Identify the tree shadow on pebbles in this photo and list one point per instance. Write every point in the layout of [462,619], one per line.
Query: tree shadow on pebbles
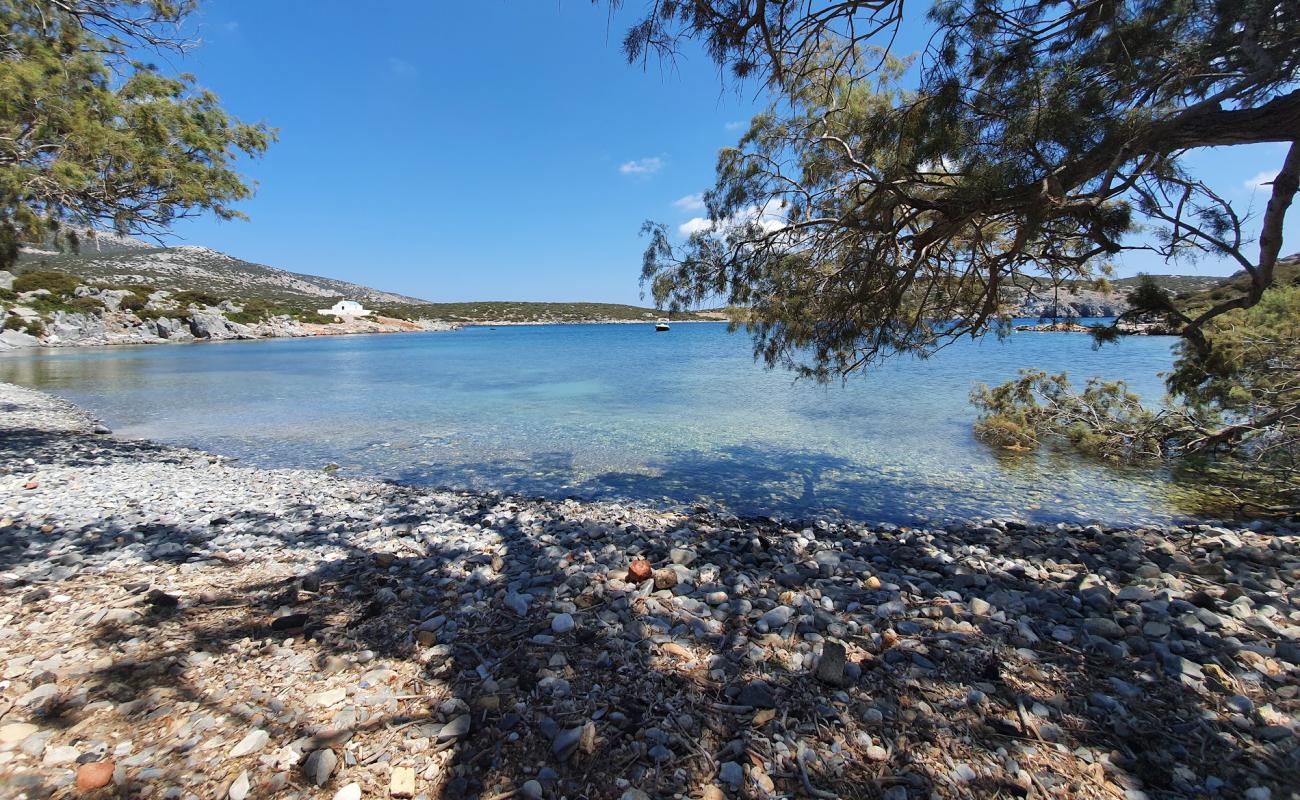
[496,646]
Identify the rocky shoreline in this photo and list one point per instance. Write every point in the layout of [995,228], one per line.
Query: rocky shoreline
[1125,328]
[176,626]
[108,316]
[111,329]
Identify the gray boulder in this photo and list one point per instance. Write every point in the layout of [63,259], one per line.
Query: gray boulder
[1100,308]
[112,298]
[207,325]
[168,328]
[211,325]
[238,331]
[65,328]
[160,300]
[6,279]
[10,340]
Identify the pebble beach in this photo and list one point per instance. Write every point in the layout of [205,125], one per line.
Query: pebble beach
[176,625]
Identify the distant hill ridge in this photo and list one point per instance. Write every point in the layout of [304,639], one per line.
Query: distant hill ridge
[110,258]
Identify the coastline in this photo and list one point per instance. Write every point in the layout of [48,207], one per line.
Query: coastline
[646,322]
[220,630]
[81,330]
[9,343]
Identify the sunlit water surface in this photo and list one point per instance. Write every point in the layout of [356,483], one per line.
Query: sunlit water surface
[619,411]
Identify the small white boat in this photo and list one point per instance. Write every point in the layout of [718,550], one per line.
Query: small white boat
[661,325]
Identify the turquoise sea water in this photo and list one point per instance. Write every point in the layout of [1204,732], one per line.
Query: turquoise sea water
[619,411]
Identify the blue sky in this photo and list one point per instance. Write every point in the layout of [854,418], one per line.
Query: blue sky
[500,149]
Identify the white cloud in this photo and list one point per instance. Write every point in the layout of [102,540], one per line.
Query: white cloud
[735,126]
[1261,180]
[769,217]
[230,27]
[691,202]
[402,68]
[642,166]
[944,165]
[694,225]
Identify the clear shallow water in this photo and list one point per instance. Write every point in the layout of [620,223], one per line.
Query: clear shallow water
[618,411]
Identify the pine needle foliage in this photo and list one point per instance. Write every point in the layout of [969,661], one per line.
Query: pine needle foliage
[1234,412]
[859,219]
[90,136]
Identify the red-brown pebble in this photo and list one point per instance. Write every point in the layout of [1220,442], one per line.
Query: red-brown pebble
[639,570]
[95,775]
[31,485]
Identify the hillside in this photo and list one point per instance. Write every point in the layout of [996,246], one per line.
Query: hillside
[109,259]
[1178,284]
[1287,273]
[517,312]
[113,260]
[121,260]
[1085,299]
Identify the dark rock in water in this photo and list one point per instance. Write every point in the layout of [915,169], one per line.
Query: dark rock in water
[289,622]
[757,694]
[831,667]
[102,429]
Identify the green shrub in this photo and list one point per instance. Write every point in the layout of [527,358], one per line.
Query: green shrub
[84,305]
[258,310]
[132,302]
[194,297]
[254,311]
[48,304]
[58,283]
[245,317]
[30,326]
[8,295]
